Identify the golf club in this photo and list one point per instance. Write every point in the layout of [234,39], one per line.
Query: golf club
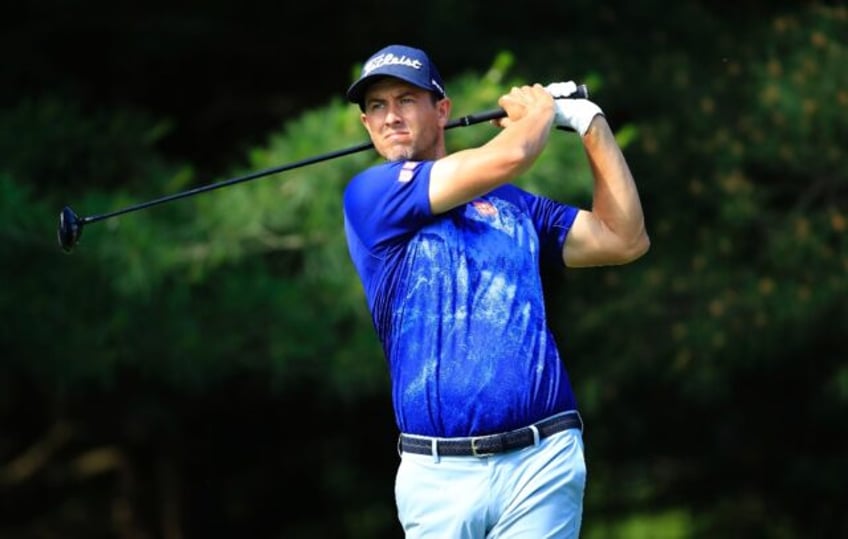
[70,224]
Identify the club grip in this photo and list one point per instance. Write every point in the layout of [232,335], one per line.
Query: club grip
[582,92]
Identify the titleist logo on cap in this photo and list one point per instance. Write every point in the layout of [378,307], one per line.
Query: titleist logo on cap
[390,59]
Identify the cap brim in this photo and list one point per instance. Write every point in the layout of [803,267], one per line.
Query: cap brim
[356,92]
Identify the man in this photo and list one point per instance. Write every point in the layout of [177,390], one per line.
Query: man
[448,252]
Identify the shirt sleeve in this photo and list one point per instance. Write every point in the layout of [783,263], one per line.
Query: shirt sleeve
[553,221]
[386,203]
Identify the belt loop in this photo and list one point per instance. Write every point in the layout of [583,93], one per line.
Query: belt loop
[582,425]
[400,445]
[434,449]
[535,430]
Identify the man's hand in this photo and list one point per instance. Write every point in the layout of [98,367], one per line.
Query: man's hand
[574,114]
[522,101]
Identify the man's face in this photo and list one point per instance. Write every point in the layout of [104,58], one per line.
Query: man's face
[403,122]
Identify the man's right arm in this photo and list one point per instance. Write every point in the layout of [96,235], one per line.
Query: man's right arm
[465,175]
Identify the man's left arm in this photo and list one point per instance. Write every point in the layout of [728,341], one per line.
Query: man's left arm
[613,231]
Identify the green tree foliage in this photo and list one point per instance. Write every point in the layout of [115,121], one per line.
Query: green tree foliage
[724,341]
[170,373]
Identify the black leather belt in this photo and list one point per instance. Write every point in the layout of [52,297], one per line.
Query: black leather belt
[490,444]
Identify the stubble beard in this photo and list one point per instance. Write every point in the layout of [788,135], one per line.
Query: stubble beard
[415,151]
[403,153]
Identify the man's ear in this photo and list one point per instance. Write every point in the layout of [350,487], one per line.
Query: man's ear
[443,107]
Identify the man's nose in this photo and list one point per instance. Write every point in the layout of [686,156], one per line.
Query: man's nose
[392,114]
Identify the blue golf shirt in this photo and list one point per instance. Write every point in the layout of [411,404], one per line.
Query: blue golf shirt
[457,300]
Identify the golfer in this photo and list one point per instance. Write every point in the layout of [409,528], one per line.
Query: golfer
[448,250]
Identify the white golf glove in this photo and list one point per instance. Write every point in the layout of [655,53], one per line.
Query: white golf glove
[572,113]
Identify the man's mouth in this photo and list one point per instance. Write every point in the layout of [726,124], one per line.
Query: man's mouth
[397,136]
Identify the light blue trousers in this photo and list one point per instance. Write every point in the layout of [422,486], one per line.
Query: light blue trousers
[531,493]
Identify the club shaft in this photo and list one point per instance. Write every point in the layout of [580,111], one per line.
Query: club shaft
[231,181]
[464,121]
[470,119]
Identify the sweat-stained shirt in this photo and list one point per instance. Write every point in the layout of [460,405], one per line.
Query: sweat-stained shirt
[457,302]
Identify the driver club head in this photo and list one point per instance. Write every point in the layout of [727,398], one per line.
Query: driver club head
[69,230]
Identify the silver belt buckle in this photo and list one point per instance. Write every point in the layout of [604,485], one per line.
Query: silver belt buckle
[475,452]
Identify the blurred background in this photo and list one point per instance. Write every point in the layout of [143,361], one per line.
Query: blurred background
[208,368]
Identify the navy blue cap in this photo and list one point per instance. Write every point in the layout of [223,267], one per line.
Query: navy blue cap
[402,62]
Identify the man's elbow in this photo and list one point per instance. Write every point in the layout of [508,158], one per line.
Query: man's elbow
[636,248]
[628,251]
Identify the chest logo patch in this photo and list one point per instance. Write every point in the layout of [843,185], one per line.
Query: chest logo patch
[484,208]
